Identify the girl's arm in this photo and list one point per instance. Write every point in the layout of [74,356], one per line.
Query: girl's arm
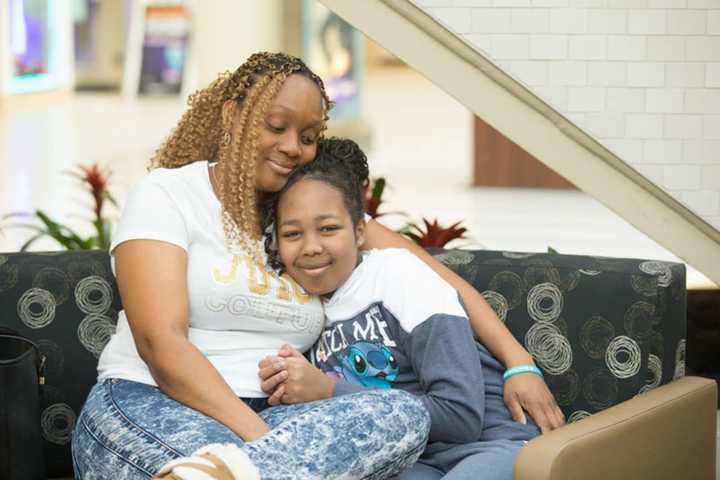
[522,392]
[151,277]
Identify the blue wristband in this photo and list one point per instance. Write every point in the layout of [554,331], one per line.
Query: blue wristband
[522,369]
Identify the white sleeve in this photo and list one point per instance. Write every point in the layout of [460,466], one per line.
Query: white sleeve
[150,213]
[413,292]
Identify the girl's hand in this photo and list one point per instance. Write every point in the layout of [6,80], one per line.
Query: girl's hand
[528,393]
[272,371]
[290,378]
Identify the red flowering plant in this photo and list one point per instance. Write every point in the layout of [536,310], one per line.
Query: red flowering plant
[434,235]
[96,182]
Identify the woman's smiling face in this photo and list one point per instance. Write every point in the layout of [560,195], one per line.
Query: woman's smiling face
[288,135]
[317,240]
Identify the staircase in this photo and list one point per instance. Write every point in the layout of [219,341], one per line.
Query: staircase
[431,47]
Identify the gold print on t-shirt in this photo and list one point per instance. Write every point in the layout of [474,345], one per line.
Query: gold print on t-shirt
[255,287]
[283,292]
[227,278]
[261,286]
[300,295]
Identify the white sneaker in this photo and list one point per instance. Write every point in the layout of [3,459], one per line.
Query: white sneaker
[211,462]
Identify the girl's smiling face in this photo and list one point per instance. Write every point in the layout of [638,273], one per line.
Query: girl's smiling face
[317,241]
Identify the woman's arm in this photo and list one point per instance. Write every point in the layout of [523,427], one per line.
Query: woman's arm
[151,277]
[526,391]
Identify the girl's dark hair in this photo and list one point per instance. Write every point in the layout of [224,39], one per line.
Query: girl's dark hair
[340,163]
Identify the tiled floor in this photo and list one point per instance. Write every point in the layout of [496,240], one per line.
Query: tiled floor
[421,144]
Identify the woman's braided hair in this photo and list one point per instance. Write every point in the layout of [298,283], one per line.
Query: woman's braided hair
[341,164]
[201,135]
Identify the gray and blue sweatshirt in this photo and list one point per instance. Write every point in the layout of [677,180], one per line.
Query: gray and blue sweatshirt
[395,323]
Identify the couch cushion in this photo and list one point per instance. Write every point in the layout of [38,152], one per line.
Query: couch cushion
[602,329]
[67,303]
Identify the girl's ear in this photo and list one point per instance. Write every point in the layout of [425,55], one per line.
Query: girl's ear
[228,114]
[360,233]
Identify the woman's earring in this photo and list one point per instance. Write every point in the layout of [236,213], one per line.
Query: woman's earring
[226,138]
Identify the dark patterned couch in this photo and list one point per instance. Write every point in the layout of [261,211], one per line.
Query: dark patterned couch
[604,330]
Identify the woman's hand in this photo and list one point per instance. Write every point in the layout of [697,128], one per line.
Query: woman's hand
[290,378]
[528,392]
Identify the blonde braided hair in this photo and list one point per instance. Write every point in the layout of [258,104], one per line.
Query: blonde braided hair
[200,135]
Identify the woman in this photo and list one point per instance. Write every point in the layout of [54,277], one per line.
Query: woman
[180,372]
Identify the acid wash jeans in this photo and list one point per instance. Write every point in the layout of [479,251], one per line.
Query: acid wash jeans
[129,430]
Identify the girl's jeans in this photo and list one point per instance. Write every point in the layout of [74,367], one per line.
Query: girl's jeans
[128,430]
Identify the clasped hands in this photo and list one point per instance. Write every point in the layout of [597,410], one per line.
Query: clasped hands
[289,377]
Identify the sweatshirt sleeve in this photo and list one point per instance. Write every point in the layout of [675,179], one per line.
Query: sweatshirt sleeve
[446,361]
[440,346]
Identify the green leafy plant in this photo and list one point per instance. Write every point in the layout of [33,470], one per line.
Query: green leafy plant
[372,198]
[42,225]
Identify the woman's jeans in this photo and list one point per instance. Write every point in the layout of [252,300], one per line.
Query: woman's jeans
[129,430]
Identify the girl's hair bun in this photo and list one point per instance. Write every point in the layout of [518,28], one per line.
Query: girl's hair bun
[343,152]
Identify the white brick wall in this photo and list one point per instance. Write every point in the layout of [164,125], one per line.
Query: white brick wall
[647,21]
[625,100]
[659,100]
[642,76]
[682,74]
[711,127]
[646,74]
[510,46]
[683,126]
[641,125]
[627,47]
[607,74]
[568,20]
[548,47]
[529,20]
[712,75]
[586,99]
[568,73]
[588,47]
[686,22]
[662,151]
[666,48]
[488,20]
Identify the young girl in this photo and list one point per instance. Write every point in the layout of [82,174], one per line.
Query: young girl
[391,322]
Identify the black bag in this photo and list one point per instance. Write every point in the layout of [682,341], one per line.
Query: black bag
[21,442]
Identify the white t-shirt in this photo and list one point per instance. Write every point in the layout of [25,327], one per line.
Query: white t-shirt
[239,311]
